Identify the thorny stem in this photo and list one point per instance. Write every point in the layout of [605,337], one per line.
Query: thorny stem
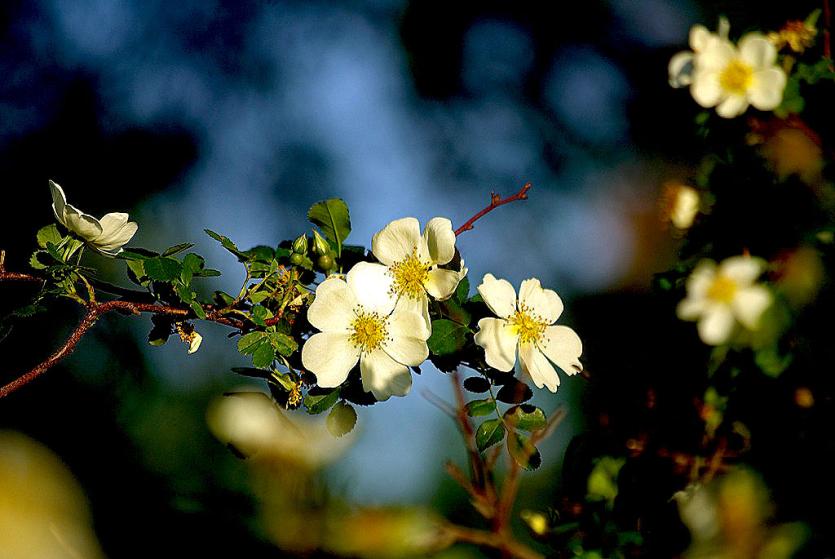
[94,311]
[495,201]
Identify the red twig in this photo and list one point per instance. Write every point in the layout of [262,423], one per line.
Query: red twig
[94,311]
[495,202]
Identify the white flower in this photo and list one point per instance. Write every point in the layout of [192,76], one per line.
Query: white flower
[413,261]
[524,327]
[682,64]
[107,235]
[720,297]
[359,322]
[731,78]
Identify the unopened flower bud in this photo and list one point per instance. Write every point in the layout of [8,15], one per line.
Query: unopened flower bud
[300,244]
[320,245]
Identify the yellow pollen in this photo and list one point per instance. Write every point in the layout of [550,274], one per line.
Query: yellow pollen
[528,325]
[409,275]
[722,289]
[368,330]
[736,78]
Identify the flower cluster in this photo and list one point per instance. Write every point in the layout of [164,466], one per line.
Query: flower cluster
[378,315]
[727,76]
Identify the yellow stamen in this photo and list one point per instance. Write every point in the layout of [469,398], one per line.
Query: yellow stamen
[368,330]
[723,289]
[409,275]
[528,325]
[736,78]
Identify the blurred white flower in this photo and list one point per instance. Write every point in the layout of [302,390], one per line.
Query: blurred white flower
[682,64]
[724,296]
[524,327]
[107,235]
[359,322]
[730,78]
[413,262]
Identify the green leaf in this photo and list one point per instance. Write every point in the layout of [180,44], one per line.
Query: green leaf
[318,401]
[514,392]
[171,251]
[222,299]
[227,243]
[49,234]
[523,452]
[263,355]
[447,337]
[250,342]
[489,433]
[283,344]
[192,264]
[198,309]
[479,385]
[259,314]
[476,408]
[526,417]
[136,254]
[162,268]
[36,262]
[453,310]
[136,272]
[462,291]
[260,253]
[342,419]
[333,219]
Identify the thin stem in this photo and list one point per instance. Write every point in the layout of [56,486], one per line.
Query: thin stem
[495,202]
[501,542]
[94,311]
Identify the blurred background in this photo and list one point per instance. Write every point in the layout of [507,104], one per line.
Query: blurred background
[237,116]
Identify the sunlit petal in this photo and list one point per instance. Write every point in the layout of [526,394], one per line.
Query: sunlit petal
[543,302]
[383,376]
[499,341]
[397,240]
[563,347]
[330,356]
[498,295]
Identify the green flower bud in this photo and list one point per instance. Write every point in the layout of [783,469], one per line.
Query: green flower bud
[325,262]
[300,244]
[320,245]
[296,259]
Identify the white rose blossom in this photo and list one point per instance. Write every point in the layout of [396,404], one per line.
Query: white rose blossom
[107,235]
[412,261]
[359,322]
[720,297]
[525,329]
[730,78]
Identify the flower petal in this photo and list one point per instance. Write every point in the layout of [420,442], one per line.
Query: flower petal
[59,201]
[115,242]
[397,240]
[757,51]
[563,347]
[715,55]
[333,308]
[83,225]
[499,295]
[111,223]
[716,324]
[680,69]
[417,306]
[440,240]
[408,322]
[705,89]
[699,37]
[766,92]
[691,308]
[750,304]
[330,356]
[538,368]
[701,279]
[441,283]
[383,376]
[371,285]
[732,106]
[499,341]
[544,302]
[742,269]
[408,339]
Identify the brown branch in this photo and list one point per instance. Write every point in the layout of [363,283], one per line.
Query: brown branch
[495,202]
[477,470]
[501,542]
[94,311]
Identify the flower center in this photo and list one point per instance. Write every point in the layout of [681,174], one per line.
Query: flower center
[528,325]
[736,77]
[409,276]
[722,289]
[368,330]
